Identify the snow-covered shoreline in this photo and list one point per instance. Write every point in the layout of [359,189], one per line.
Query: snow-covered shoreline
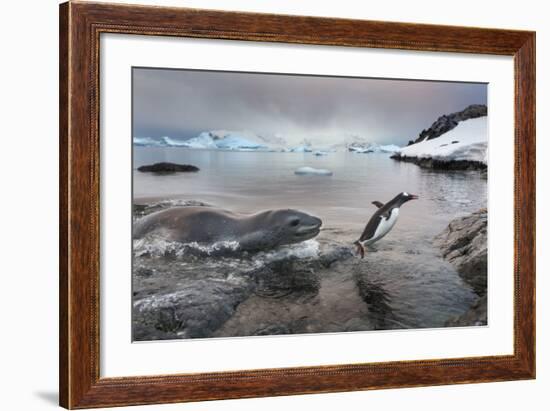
[463,147]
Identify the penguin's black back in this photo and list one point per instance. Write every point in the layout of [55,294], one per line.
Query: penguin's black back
[383,212]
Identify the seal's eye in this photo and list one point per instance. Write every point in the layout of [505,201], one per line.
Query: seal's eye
[294,222]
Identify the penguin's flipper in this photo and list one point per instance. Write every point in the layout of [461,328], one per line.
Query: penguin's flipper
[360,249]
[378,204]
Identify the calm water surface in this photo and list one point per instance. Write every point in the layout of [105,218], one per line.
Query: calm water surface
[253,181]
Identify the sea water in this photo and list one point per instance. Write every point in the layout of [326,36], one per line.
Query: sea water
[417,287]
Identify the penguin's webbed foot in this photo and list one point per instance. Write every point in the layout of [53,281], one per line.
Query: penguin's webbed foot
[360,249]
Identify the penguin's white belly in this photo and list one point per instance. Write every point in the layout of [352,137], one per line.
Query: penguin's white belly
[384,227]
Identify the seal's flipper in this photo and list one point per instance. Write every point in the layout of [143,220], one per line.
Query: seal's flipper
[378,204]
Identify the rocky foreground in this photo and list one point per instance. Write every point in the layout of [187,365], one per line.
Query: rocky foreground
[175,300]
[464,244]
[313,287]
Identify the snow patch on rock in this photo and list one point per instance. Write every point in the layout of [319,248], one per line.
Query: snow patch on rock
[466,142]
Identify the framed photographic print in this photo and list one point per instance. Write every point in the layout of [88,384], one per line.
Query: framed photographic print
[257,205]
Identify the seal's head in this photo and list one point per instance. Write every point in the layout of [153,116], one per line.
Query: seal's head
[291,226]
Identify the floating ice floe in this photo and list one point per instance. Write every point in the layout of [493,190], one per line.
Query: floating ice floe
[466,142]
[320,153]
[312,171]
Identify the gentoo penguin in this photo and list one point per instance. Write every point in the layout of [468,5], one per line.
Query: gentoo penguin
[382,221]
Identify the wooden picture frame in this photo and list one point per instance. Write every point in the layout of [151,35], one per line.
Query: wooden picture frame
[80,27]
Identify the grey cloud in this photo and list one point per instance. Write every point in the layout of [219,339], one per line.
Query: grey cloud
[181,103]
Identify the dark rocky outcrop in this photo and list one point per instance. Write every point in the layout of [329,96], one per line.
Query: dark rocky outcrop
[464,244]
[174,300]
[449,121]
[461,165]
[165,167]
[194,311]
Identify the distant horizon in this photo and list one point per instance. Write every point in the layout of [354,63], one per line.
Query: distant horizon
[180,104]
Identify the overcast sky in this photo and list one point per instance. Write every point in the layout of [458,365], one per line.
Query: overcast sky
[182,103]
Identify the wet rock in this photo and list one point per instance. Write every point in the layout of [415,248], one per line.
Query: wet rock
[464,244]
[273,329]
[476,315]
[144,272]
[195,311]
[165,167]
[173,299]
[284,278]
[378,301]
[333,252]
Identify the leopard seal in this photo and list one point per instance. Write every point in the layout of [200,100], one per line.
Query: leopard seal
[261,231]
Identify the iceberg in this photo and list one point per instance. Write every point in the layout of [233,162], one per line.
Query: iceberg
[312,171]
[217,140]
[226,140]
[148,142]
[203,141]
[170,142]
[233,142]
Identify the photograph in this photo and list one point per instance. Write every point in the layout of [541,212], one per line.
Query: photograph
[278,203]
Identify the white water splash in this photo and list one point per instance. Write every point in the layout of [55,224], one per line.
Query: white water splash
[304,250]
[159,247]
